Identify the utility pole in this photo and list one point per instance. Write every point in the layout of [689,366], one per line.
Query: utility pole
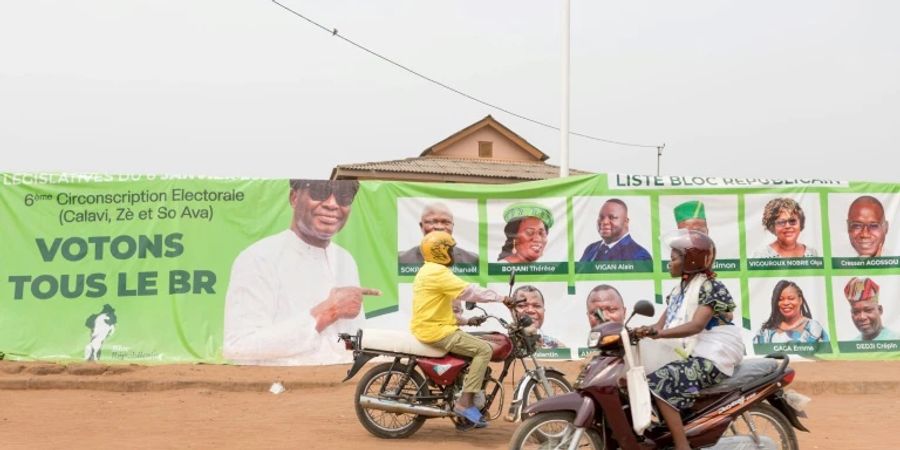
[564,120]
[659,150]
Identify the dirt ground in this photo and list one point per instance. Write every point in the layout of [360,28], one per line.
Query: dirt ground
[183,407]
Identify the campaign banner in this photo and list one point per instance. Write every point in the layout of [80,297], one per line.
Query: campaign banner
[165,269]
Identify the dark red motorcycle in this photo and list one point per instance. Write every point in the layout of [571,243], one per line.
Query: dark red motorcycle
[750,410]
[393,399]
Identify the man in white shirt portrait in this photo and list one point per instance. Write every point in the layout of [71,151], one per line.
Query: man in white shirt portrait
[291,293]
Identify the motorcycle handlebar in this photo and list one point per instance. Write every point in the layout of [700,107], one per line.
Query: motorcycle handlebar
[512,308]
[487,316]
[634,338]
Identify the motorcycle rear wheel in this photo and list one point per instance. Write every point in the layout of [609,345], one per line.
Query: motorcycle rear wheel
[770,422]
[552,430]
[383,424]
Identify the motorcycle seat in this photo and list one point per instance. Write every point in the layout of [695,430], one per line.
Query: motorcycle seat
[745,373]
[393,341]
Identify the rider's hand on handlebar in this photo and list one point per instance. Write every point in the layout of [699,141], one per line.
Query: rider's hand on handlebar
[645,331]
[476,321]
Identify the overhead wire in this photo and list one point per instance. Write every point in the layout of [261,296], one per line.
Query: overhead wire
[334,32]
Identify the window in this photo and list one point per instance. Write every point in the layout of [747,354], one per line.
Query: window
[485,149]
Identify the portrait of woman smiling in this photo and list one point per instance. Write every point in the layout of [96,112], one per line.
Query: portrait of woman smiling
[527,225]
[784,218]
[791,319]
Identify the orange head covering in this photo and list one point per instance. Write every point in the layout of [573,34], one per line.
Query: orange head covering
[859,289]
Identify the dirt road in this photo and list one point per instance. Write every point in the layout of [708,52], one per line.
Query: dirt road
[322,418]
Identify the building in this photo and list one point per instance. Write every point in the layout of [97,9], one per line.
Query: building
[484,152]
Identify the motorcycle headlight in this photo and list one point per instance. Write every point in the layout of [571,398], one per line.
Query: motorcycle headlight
[604,335]
[611,339]
[593,339]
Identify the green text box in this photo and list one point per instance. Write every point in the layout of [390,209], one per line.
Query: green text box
[459,269]
[549,268]
[869,346]
[614,266]
[785,263]
[879,262]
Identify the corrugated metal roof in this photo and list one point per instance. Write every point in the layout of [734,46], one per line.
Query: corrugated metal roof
[465,167]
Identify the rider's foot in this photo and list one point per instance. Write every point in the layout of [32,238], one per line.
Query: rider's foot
[466,425]
[472,414]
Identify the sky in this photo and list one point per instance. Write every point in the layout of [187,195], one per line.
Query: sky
[799,89]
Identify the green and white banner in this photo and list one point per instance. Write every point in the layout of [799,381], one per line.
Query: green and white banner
[139,268]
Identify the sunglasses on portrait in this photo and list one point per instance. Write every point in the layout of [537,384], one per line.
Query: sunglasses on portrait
[856,227]
[783,222]
[321,190]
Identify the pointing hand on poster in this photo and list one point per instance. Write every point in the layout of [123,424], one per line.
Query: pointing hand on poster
[342,303]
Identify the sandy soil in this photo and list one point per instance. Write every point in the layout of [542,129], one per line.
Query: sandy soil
[315,414]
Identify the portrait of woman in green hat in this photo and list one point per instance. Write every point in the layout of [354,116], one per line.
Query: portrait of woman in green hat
[527,225]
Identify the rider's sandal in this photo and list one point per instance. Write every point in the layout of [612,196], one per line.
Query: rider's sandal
[472,415]
[464,425]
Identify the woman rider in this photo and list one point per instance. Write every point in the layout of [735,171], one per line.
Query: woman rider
[705,344]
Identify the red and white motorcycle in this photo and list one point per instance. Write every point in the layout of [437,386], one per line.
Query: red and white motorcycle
[393,399]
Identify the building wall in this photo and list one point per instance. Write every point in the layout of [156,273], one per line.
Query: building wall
[503,148]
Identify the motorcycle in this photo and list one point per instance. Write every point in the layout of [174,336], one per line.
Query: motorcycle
[393,399]
[751,409]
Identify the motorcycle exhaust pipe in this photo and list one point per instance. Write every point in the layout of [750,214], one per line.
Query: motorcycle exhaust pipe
[393,406]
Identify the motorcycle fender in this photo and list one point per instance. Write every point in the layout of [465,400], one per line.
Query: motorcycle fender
[523,383]
[358,362]
[519,395]
[581,405]
[788,412]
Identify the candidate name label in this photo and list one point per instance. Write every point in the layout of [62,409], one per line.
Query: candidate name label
[785,263]
[721,265]
[459,269]
[553,353]
[797,348]
[869,346]
[879,262]
[550,268]
[614,266]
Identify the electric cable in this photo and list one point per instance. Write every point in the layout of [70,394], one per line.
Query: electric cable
[334,32]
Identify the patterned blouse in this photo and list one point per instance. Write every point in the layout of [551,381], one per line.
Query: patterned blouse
[713,294]
[810,333]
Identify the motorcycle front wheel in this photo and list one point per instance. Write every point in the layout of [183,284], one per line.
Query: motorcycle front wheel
[768,422]
[553,430]
[535,392]
[384,382]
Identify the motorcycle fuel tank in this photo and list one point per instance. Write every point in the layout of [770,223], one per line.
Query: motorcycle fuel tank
[442,370]
[501,346]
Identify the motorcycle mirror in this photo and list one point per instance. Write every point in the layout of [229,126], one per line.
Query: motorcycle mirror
[644,308]
[512,281]
[599,313]
[470,306]
[525,321]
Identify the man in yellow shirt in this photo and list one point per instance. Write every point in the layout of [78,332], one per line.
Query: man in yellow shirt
[433,322]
